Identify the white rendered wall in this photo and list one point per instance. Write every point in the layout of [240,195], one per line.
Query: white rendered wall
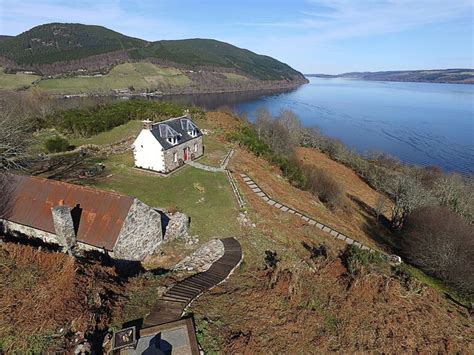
[148,152]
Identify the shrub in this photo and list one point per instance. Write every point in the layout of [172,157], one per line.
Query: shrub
[57,144]
[322,185]
[248,137]
[356,259]
[88,121]
[440,242]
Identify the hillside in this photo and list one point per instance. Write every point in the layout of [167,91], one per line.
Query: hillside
[343,301]
[5,37]
[455,76]
[60,50]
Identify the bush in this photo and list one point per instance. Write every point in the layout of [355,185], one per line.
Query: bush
[356,259]
[440,242]
[57,144]
[248,137]
[322,185]
[84,122]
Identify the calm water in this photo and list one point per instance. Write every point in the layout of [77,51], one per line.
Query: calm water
[420,123]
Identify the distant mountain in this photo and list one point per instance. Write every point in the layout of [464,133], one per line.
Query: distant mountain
[5,37]
[59,48]
[459,76]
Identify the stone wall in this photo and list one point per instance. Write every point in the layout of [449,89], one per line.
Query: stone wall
[141,233]
[19,230]
[170,164]
[16,229]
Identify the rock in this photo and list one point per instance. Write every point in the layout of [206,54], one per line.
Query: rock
[202,259]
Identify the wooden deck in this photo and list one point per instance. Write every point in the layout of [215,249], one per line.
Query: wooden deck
[171,305]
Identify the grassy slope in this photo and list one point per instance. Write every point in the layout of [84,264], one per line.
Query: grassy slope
[305,304]
[213,211]
[15,81]
[139,75]
[130,129]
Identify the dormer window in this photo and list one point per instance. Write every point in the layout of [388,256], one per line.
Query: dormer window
[169,133]
[189,127]
[172,140]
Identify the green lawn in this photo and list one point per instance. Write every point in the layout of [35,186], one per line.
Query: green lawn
[214,151]
[15,81]
[138,75]
[131,128]
[206,197]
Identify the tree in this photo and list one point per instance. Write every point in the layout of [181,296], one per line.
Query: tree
[14,132]
[441,243]
[453,192]
[379,205]
[408,194]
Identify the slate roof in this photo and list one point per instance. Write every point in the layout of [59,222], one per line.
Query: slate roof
[102,214]
[177,126]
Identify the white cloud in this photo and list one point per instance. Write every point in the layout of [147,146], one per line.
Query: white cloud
[339,19]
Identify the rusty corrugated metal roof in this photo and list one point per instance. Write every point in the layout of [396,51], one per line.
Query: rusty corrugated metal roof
[102,213]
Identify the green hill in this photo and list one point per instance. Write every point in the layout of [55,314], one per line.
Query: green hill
[60,48]
[212,53]
[57,42]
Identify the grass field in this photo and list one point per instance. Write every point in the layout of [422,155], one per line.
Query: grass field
[138,75]
[205,197]
[235,77]
[129,129]
[15,81]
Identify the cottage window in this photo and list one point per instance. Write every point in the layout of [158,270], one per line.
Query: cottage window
[175,157]
[195,147]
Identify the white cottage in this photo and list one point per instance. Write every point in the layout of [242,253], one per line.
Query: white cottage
[166,145]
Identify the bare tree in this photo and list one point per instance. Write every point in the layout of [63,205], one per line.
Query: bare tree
[408,194]
[14,135]
[379,205]
[441,243]
[323,185]
[453,192]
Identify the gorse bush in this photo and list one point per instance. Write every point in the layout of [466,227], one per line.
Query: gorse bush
[356,259]
[57,144]
[84,122]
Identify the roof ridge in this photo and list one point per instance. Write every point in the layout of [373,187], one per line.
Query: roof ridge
[170,119]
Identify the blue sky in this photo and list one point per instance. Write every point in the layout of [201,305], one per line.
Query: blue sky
[314,36]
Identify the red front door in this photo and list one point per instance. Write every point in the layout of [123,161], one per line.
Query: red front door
[185,154]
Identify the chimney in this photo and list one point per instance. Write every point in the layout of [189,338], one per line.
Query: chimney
[187,114]
[147,124]
[64,226]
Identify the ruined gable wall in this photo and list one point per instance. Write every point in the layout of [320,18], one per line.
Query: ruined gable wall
[141,233]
